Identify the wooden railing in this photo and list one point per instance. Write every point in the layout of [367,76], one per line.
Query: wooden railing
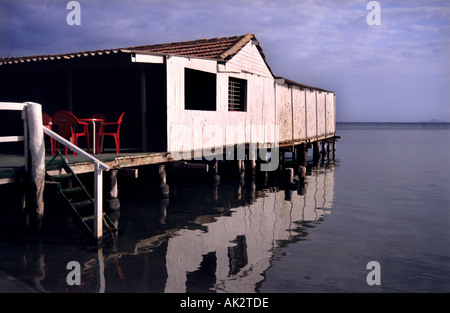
[13,106]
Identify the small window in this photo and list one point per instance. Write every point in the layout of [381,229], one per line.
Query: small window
[237,94]
[199,90]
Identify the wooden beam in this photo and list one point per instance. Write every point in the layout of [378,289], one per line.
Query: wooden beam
[143,109]
[70,91]
[129,172]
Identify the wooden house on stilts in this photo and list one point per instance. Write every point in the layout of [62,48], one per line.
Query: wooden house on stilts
[183,98]
[214,99]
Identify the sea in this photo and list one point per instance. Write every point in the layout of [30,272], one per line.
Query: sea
[374,217]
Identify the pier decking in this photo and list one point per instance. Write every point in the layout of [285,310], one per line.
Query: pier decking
[12,165]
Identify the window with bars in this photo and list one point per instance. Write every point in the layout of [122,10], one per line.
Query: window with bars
[237,94]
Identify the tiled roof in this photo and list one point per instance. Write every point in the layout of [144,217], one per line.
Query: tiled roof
[216,48]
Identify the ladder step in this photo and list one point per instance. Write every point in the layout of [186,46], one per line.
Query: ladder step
[81,204]
[90,217]
[53,187]
[62,176]
[70,191]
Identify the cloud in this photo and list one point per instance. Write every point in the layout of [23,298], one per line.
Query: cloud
[325,43]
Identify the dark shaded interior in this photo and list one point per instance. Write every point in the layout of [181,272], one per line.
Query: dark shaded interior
[107,84]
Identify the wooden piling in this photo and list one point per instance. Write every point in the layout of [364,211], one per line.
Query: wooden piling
[163,187]
[36,166]
[316,149]
[241,169]
[215,172]
[301,172]
[113,201]
[253,167]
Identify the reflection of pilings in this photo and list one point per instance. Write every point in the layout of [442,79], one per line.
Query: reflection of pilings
[215,172]
[242,255]
[100,267]
[301,172]
[241,169]
[163,211]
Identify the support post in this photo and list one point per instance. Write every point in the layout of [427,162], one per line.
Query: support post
[143,109]
[215,172]
[113,202]
[70,91]
[316,150]
[334,149]
[241,168]
[163,187]
[301,172]
[253,166]
[98,202]
[36,166]
[289,173]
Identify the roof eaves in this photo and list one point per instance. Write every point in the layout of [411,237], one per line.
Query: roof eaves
[52,57]
[291,82]
[237,47]
[166,54]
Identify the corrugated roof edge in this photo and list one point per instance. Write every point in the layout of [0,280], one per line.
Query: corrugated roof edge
[51,57]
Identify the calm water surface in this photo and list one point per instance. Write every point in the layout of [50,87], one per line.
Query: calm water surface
[384,198]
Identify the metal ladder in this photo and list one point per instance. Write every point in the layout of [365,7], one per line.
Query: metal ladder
[77,197]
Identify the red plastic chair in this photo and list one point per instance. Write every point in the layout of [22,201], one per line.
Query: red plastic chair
[69,127]
[100,116]
[47,122]
[109,129]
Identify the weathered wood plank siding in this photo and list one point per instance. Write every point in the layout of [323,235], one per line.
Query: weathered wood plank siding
[330,114]
[320,113]
[248,60]
[284,113]
[311,113]
[196,130]
[298,97]
[304,114]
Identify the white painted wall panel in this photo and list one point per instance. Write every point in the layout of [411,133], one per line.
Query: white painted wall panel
[320,113]
[284,112]
[311,121]
[298,97]
[330,114]
[249,60]
[205,130]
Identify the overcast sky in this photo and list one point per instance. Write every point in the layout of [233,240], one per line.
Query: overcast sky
[396,71]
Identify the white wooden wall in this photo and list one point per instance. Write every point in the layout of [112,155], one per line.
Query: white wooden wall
[196,130]
[304,113]
[248,60]
[298,114]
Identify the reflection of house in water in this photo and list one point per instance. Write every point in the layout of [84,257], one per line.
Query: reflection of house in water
[236,250]
[222,251]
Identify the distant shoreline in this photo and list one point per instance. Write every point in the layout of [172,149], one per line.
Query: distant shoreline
[423,122]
